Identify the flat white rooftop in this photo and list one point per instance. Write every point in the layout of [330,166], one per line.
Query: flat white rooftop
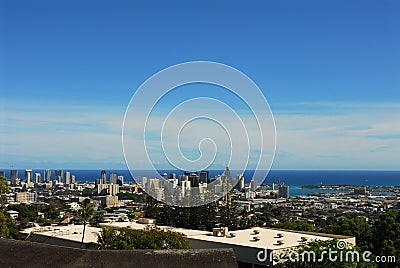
[268,237]
[70,232]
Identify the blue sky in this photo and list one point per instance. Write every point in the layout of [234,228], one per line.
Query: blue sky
[329,69]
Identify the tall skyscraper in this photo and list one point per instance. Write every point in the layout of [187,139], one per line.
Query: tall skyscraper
[103,177]
[37,177]
[14,177]
[67,177]
[59,175]
[283,191]
[47,175]
[194,179]
[72,179]
[203,176]
[120,180]
[28,175]
[240,182]
[253,185]
[227,174]
[113,178]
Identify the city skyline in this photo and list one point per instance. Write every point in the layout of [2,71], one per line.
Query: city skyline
[328,71]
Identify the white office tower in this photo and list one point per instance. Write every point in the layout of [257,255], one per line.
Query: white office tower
[154,183]
[253,185]
[67,177]
[28,175]
[73,179]
[37,177]
[218,184]
[113,178]
[202,187]
[113,189]
[240,182]
[144,183]
[186,187]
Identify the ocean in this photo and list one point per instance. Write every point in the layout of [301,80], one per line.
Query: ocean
[292,178]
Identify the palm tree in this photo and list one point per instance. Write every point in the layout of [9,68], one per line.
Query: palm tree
[85,213]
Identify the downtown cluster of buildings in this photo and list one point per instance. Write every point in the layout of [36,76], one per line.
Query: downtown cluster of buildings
[27,188]
[30,179]
[199,184]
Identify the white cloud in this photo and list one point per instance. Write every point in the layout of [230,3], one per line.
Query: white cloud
[323,136]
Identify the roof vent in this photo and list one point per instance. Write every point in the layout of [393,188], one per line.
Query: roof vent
[220,232]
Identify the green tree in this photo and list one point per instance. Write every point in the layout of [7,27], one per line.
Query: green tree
[7,226]
[301,225]
[386,235]
[4,190]
[304,256]
[228,212]
[25,212]
[352,225]
[148,238]
[85,214]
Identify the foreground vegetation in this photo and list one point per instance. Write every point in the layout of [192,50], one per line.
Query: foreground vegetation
[148,238]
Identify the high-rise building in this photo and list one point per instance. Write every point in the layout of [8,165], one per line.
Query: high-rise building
[253,185]
[67,177]
[153,183]
[240,182]
[283,191]
[194,179]
[37,177]
[120,180]
[103,177]
[227,174]
[73,179]
[14,177]
[59,175]
[144,183]
[113,189]
[47,175]
[28,175]
[203,176]
[113,178]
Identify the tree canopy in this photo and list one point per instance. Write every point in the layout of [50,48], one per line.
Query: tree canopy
[148,238]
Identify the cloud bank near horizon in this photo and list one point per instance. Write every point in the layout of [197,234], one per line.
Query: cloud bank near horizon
[319,135]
